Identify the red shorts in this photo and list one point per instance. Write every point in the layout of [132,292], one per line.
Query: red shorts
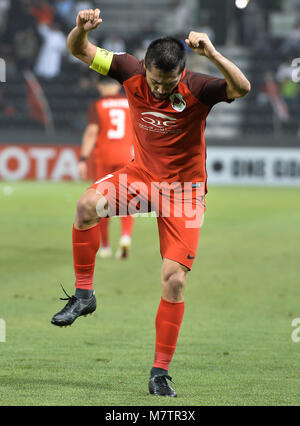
[179,208]
[101,169]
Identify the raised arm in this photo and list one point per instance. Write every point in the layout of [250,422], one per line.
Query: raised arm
[237,84]
[77,41]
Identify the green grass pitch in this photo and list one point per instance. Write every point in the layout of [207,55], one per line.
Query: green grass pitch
[235,345]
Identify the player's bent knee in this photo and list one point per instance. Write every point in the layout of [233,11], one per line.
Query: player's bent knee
[85,211]
[176,280]
[173,285]
[90,207]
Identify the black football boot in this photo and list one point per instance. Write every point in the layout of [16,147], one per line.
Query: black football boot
[159,386]
[76,307]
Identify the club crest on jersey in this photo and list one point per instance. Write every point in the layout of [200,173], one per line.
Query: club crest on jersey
[177,102]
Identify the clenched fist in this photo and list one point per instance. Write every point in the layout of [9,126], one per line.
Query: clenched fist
[201,44]
[88,19]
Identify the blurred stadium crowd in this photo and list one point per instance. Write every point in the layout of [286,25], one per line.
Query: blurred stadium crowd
[264,38]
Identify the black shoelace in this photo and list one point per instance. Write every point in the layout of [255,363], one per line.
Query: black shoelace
[163,381]
[71,299]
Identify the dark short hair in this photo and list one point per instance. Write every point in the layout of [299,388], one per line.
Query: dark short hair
[166,54]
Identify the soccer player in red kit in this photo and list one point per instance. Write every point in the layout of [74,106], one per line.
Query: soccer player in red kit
[109,138]
[168,106]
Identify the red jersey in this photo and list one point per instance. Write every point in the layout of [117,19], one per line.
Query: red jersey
[114,145]
[169,143]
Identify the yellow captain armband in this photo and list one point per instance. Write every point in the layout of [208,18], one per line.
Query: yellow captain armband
[102,61]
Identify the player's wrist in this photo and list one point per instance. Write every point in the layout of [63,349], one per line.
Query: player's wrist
[80,29]
[214,55]
[83,159]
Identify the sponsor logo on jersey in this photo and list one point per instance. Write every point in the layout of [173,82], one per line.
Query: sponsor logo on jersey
[158,122]
[158,119]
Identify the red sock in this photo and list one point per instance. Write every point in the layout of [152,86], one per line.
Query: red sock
[167,323]
[85,246]
[104,224]
[126,225]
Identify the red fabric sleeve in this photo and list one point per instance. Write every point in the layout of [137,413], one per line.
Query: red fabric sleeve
[207,89]
[124,66]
